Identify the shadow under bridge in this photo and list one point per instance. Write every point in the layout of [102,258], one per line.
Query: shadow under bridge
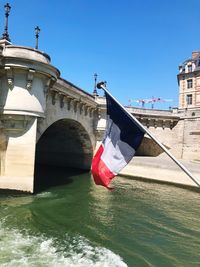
[63,149]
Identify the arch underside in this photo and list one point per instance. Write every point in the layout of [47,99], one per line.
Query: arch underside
[65,144]
[149,148]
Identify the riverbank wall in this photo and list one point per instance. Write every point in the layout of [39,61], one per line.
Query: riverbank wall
[162,170]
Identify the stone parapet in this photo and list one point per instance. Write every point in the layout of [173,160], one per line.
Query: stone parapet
[25,73]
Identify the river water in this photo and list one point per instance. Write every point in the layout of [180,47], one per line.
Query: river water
[80,224]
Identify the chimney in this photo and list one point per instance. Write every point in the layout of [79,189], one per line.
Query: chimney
[195,54]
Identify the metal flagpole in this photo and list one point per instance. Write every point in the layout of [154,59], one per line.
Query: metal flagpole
[101,85]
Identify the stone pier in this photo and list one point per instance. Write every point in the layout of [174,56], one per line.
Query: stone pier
[25,78]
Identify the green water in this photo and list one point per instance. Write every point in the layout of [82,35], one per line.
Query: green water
[80,224]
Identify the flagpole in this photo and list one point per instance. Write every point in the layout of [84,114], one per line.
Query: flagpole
[101,85]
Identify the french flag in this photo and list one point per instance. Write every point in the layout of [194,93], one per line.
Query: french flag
[121,140]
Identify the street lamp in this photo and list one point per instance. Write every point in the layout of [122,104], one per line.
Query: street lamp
[7,8]
[95,85]
[105,84]
[37,31]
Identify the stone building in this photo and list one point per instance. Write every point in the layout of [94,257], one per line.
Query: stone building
[189,82]
[189,106]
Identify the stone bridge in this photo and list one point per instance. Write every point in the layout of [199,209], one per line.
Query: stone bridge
[45,119]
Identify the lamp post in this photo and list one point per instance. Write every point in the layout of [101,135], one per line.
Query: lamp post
[37,31]
[7,8]
[95,85]
[105,84]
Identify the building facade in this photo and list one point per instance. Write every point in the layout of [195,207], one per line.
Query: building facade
[189,82]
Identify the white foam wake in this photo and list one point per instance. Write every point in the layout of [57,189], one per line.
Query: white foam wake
[21,250]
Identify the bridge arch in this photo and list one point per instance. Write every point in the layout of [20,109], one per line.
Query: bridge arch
[65,143]
[149,148]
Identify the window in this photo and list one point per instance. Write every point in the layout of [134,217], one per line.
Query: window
[189,99]
[189,83]
[189,68]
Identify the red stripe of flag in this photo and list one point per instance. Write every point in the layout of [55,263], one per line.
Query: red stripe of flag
[102,175]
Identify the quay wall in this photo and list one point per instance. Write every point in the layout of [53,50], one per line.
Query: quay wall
[178,130]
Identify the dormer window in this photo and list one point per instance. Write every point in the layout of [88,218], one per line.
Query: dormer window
[189,68]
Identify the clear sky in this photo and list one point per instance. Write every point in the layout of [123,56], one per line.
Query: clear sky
[135,45]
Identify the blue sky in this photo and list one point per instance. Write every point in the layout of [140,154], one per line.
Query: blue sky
[135,45]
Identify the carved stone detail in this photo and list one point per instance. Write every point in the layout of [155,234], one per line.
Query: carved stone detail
[86,110]
[69,101]
[49,84]
[75,102]
[90,112]
[14,123]
[163,124]
[53,97]
[148,123]
[62,98]
[10,77]
[171,124]
[30,76]
[155,123]
[81,107]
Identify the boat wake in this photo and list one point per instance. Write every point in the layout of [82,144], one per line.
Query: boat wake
[24,250]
